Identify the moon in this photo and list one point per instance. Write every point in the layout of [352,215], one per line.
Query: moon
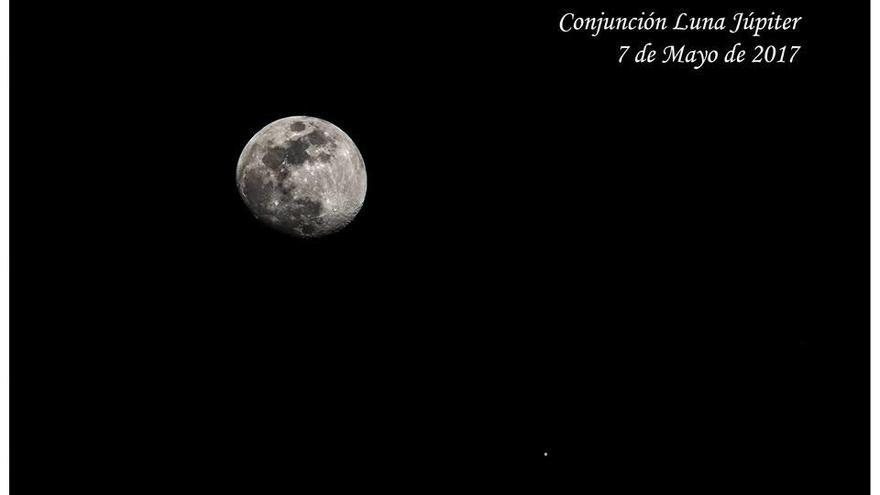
[303,176]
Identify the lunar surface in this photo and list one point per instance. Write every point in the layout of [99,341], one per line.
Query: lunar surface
[302,176]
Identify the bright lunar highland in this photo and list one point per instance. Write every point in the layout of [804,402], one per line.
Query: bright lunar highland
[302,176]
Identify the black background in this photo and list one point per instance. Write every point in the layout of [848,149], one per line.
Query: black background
[658,276]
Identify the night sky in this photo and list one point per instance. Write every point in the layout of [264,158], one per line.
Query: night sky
[568,273]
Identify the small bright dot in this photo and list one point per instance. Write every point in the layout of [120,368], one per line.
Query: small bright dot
[545,454]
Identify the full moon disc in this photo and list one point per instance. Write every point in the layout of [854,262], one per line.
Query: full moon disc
[302,176]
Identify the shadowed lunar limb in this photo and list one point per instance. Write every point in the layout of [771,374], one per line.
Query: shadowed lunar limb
[303,176]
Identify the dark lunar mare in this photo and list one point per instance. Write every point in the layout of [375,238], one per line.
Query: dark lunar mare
[255,188]
[258,191]
[293,152]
